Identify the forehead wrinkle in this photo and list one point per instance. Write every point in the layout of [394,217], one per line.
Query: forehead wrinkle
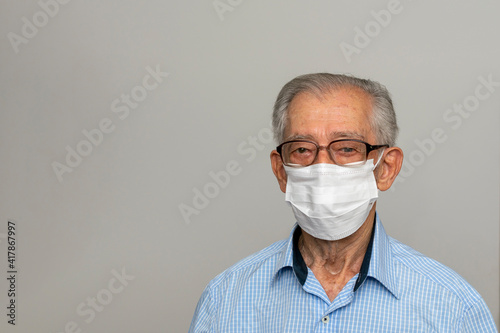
[333,136]
[350,99]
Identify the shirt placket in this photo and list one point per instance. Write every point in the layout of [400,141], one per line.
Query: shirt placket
[326,320]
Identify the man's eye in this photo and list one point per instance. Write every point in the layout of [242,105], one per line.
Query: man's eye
[347,150]
[302,150]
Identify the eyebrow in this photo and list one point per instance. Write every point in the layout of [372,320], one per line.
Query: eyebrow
[333,135]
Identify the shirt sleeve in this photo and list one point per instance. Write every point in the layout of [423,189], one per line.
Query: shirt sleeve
[202,321]
[478,319]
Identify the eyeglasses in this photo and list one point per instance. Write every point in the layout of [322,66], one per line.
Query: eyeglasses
[344,152]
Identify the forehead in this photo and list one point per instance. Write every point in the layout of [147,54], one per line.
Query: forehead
[343,112]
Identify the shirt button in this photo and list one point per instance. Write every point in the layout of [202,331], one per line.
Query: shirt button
[325,319]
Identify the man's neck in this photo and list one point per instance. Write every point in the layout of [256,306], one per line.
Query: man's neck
[334,263]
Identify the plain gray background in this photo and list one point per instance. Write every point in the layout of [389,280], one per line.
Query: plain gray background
[119,208]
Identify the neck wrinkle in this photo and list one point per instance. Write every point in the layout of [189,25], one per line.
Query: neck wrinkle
[339,256]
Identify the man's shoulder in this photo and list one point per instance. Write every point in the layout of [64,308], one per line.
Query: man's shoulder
[263,260]
[415,264]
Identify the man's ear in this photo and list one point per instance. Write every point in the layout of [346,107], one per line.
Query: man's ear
[279,170]
[389,167]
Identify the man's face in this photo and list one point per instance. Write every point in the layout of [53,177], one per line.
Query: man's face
[340,114]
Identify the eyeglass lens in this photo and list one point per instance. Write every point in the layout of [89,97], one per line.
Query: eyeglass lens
[341,152]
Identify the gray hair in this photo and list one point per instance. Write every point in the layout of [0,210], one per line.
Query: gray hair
[383,119]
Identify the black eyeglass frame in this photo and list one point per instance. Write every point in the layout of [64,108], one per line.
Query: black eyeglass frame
[369,148]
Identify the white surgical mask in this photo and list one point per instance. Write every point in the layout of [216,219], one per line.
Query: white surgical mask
[331,202]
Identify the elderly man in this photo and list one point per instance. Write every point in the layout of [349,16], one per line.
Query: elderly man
[338,271]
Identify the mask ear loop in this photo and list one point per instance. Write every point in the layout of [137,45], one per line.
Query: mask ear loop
[379,158]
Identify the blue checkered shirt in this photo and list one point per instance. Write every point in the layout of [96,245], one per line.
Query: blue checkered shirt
[400,290]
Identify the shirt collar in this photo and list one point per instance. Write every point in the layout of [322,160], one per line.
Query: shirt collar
[382,264]
[286,254]
[377,263]
[299,266]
